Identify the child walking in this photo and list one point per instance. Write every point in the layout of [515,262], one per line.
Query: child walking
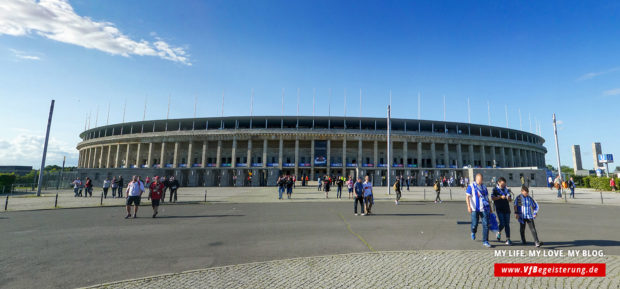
[526,210]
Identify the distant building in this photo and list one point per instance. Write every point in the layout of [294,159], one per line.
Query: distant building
[577,158]
[596,150]
[18,170]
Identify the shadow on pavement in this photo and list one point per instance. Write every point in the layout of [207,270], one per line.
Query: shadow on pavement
[407,214]
[197,216]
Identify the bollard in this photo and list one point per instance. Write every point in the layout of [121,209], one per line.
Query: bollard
[425,194]
[101,203]
[56,202]
[6,203]
[205,196]
[600,192]
[532,193]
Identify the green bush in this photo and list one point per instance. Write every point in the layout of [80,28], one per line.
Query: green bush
[7,180]
[597,183]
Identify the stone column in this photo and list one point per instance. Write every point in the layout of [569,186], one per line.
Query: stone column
[189,159]
[87,158]
[107,162]
[95,158]
[493,157]
[280,151]
[100,157]
[446,155]
[502,151]
[138,155]
[297,157]
[344,156]
[118,152]
[405,153]
[162,161]
[433,156]
[175,157]
[204,154]
[312,160]
[376,153]
[329,156]
[512,157]
[265,153]
[419,152]
[459,156]
[218,154]
[471,155]
[517,154]
[483,156]
[360,157]
[127,156]
[249,157]
[149,161]
[233,159]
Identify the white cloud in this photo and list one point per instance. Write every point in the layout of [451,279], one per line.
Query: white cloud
[27,149]
[591,75]
[615,91]
[23,55]
[56,20]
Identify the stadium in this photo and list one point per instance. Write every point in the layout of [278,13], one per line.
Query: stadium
[255,150]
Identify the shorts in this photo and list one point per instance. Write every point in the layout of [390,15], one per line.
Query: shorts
[155,203]
[133,200]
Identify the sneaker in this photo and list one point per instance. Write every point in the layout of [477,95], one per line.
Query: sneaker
[435,202]
[154,215]
[499,236]
[396,202]
[356,214]
[509,243]
[473,236]
[440,202]
[363,214]
[135,216]
[128,216]
[486,244]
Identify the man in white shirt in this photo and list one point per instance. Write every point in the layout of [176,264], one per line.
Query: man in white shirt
[135,188]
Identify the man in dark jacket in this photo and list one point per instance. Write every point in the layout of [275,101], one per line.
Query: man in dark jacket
[173,185]
[358,188]
[121,184]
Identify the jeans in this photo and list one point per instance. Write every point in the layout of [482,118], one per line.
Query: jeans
[530,223]
[572,193]
[280,192]
[75,191]
[437,198]
[398,194]
[475,216]
[361,201]
[113,192]
[105,192]
[559,193]
[504,223]
[173,192]
[339,192]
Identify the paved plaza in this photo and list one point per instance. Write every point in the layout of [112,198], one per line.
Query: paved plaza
[66,199]
[79,247]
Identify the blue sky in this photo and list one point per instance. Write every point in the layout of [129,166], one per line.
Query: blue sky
[540,58]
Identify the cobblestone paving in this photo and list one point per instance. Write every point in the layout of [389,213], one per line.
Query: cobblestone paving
[409,269]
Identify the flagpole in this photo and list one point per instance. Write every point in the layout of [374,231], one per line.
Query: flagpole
[520,120]
[144,114]
[107,122]
[506,108]
[251,106]
[419,109]
[97,116]
[444,108]
[557,152]
[529,116]
[489,111]
[468,111]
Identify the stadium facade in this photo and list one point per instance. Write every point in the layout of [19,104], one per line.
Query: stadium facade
[254,151]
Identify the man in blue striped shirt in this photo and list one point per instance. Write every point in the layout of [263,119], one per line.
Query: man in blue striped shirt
[526,210]
[478,206]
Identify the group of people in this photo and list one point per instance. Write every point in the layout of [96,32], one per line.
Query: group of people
[285,184]
[481,209]
[558,184]
[157,187]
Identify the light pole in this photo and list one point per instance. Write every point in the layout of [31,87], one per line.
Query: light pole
[47,137]
[557,152]
[388,150]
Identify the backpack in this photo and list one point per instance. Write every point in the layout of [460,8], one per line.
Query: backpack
[395,186]
[436,187]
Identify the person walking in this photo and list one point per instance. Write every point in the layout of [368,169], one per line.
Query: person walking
[339,184]
[571,186]
[502,198]
[397,189]
[526,209]
[156,191]
[478,206]
[174,186]
[558,185]
[368,196]
[76,187]
[350,184]
[106,187]
[612,184]
[437,188]
[164,180]
[320,183]
[88,190]
[290,183]
[120,186]
[114,186]
[408,182]
[359,196]
[281,184]
[135,188]
[326,186]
